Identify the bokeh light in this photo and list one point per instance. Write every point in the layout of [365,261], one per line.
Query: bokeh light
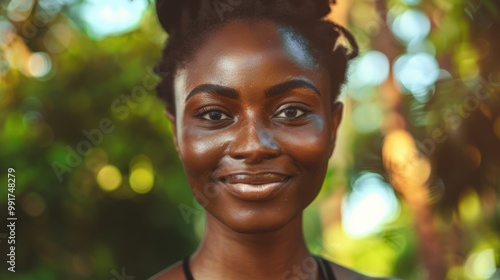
[371,204]
[469,208]
[372,68]
[481,265]
[7,32]
[39,64]
[409,171]
[113,17]
[33,204]
[467,61]
[19,10]
[109,178]
[417,73]
[142,178]
[411,25]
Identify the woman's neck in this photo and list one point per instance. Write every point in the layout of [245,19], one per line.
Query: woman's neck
[226,254]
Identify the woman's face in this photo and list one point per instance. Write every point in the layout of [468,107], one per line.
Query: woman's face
[254,125]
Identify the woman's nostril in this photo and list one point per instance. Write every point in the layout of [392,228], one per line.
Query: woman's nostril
[254,145]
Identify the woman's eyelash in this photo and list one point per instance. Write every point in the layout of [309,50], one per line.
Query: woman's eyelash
[217,114]
[212,114]
[304,110]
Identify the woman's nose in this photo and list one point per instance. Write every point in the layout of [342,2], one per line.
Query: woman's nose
[253,143]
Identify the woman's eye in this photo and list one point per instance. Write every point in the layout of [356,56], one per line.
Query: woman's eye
[214,116]
[291,113]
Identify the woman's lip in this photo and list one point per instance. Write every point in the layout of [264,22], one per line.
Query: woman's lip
[255,187]
[254,179]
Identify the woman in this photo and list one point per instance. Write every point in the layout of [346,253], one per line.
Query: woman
[251,89]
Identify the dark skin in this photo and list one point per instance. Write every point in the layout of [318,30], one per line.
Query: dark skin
[255,126]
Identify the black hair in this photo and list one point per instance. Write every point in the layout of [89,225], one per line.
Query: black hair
[188,22]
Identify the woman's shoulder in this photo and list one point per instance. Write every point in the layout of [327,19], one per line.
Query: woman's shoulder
[172,272]
[342,272]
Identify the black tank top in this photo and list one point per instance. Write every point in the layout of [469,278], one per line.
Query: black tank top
[325,269]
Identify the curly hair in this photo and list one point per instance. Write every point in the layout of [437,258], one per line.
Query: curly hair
[189,22]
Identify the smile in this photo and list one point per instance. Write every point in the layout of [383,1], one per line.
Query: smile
[255,187]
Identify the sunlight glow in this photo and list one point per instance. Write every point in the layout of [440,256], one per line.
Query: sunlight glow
[371,204]
[113,17]
[417,73]
[408,169]
[411,25]
[481,265]
[371,69]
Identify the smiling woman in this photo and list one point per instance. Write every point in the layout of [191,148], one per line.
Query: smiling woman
[253,102]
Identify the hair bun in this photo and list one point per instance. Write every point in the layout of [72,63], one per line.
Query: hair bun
[166,11]
[321,7]
[173,14]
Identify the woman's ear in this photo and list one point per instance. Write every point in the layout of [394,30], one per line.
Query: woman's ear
[337,109]
[171,117]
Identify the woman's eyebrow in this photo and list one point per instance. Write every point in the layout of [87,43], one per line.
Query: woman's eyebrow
[214,89]
[289,85]
[270,92]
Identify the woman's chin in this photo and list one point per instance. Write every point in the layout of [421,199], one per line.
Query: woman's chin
[254,229]
[256,223]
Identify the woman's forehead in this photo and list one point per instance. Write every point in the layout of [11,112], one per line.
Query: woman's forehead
[252,48]
[248,38]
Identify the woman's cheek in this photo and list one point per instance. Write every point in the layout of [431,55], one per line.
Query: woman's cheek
[309,143]
[200,151]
